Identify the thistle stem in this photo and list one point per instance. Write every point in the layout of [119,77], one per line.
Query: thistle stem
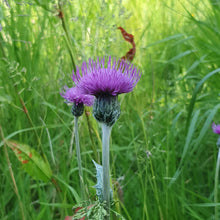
[83,194]
[216,185]
[106,132]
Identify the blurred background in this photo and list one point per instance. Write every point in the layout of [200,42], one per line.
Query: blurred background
[163,150]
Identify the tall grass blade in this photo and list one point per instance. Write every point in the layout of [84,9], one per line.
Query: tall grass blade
[195,92]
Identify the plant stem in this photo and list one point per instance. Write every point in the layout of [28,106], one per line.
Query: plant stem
[106,132]
[216,185]
[83,194]
[71,143]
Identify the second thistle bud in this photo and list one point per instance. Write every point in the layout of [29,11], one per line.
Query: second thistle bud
[77,109]
[106,109]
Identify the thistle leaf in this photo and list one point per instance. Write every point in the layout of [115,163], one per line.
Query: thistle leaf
[31,161]
[99,185]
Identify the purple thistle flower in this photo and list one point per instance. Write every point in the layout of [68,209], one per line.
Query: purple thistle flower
[115,78]
[216,128]
[75,96]
[106,81]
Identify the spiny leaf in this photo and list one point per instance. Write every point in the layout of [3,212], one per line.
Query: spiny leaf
[31,161]
[99,185]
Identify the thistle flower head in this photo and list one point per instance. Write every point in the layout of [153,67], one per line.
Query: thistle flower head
[112,78]
[106,80]
[216,128]
[78,99]
[75,96]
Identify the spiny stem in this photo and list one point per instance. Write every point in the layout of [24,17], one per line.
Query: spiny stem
[82,187]
[106,132]
[216,185]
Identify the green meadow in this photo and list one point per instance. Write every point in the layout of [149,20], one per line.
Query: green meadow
[163,153]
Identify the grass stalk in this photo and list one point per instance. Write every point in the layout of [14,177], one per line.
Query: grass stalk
[50,142]
[156,191]
[91,130]
[71,144]
[67,37]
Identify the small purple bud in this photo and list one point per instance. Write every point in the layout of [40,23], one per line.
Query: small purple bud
[75,96]
[216,128]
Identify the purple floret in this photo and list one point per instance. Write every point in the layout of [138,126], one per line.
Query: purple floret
[216,128]
[111,79]
[74,95]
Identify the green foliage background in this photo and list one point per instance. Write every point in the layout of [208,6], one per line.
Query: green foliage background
[163,150]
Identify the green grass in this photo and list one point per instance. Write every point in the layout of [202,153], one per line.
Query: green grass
[163,150]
